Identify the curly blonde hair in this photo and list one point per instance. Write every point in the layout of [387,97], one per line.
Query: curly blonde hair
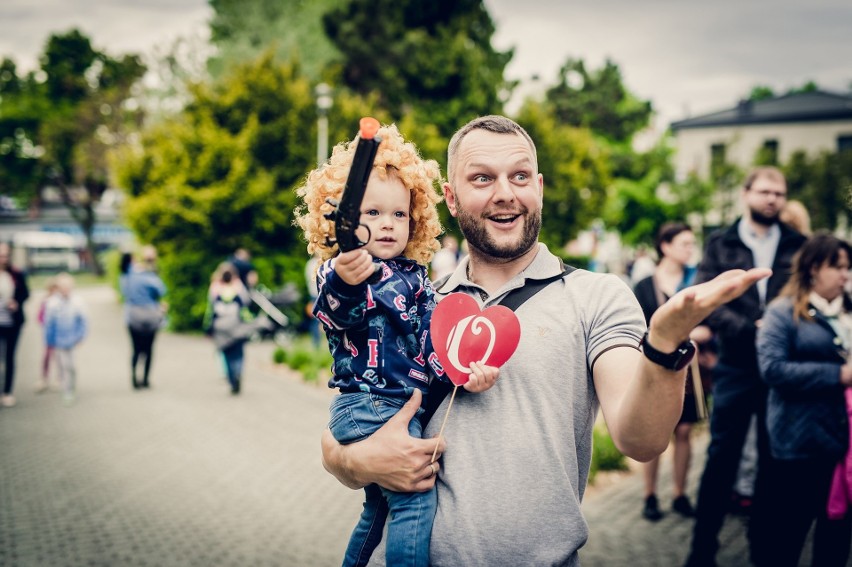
[395,157]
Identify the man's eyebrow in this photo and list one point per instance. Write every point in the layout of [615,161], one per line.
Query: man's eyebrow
[522,162]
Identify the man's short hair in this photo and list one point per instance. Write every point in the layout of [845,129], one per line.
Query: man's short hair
[492,123]
[763,171]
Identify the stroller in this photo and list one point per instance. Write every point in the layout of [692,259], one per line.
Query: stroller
[272,305]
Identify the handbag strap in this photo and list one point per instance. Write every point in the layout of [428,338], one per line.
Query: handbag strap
[513,300]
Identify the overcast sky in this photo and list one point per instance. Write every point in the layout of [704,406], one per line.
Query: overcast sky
[687,56]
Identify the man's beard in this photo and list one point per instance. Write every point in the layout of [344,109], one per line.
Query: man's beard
[476,234]
[762,219]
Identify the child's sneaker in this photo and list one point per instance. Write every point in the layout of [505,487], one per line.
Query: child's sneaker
[41,387]
[7,401]
[68,399]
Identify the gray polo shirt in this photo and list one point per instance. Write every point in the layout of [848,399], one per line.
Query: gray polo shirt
[518,455]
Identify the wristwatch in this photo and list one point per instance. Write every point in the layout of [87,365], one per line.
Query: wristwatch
[676,360]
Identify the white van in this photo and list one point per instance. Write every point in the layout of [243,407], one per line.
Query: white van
[37,250]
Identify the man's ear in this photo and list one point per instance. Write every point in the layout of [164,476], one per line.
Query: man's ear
[450,198]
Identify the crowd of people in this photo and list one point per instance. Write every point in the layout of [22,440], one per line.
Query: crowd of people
[760,320]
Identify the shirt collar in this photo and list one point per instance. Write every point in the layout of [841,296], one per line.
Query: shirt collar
[752,239]
[544,265]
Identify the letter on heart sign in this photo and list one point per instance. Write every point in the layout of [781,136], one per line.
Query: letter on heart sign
[462,333]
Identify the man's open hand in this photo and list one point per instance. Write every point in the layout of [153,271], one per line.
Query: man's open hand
[677,317]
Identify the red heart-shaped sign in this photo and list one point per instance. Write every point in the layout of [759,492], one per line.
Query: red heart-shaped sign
[462,333]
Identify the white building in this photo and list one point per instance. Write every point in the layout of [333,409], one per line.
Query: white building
[813,122]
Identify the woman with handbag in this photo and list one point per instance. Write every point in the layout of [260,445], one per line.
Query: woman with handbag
[675,246]
[803,348]
[144,309]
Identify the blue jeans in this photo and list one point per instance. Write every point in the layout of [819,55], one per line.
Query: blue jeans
[234,355]
[354,417]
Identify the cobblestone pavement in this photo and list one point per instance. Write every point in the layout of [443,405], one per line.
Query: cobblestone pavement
[620,536]
[183,474]
[187,475]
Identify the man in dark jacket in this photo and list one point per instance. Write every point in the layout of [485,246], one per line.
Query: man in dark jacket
[757,239]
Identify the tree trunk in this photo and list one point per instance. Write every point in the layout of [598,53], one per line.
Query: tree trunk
[84,214]
[87,223]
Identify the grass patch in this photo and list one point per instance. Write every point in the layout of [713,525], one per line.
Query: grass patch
[605,456]
[303,357]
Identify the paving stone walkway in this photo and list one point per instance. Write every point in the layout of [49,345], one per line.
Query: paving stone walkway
[187,475]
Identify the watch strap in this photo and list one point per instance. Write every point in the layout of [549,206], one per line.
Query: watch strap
[676,360]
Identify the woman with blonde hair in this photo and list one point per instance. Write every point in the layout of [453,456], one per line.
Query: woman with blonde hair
[795,215]
[144,309]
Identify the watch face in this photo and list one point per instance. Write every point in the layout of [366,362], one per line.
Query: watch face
[685,353]
[676,360]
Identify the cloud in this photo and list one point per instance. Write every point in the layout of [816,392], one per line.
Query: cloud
[680,54]
[116,26]
[694,55]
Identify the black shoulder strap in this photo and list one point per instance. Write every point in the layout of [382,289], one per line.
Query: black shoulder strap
[514,299]
[517,297]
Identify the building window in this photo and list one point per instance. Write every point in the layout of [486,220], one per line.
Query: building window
[844,143]
[768,153]
[717,161]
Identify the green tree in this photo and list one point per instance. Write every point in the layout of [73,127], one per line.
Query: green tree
[221,174]
[57,125]
[807,87]
[761,92]
[824,182]
[433,59]
[241,30]
[21,107]
[575,170]
[642,201]
[598,100]
[641,192]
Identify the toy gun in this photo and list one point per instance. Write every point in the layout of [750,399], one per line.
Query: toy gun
[347,212]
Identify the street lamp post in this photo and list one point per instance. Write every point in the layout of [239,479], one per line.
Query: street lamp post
[324,102]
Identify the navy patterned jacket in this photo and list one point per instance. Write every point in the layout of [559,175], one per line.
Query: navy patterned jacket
[379,334]
[800,361]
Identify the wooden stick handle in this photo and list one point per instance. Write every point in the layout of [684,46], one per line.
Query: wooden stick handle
[698,389]
[441,432]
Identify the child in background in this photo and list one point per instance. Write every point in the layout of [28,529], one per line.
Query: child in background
[378,333]
[65,326]
[44,383]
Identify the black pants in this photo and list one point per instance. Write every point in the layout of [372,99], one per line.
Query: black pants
[737,395]
[143,345]
[8,343]
[795,497]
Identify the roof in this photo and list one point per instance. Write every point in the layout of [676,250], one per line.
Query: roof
[813,106]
